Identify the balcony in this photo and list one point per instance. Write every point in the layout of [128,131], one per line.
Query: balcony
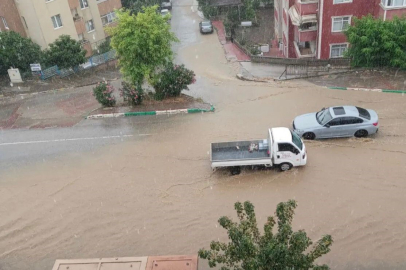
[305,49]
[299,19]
[305,34]
[79,24]
[73,4]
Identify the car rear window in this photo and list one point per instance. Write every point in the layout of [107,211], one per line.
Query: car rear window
[364,113]
[206,23]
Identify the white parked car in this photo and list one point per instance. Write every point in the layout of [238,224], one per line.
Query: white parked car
[340,121]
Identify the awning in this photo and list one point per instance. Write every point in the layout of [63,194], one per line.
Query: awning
[298,19]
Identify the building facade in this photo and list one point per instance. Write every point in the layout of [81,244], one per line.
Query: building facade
[314,28]
[10,19]
[83,20]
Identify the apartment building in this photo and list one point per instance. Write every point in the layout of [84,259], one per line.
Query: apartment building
[10,19]
[314,28]
[83,20]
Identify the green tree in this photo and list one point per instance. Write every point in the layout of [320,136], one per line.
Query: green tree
[172,80]
[135,6]
[18,52]
[249,250]
[377,43]
[142,43]
[64,52]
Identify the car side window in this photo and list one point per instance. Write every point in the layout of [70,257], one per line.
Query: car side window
[350,120]
[335,122]
[286,147]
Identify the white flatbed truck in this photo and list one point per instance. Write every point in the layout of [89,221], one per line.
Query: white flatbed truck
[282,148]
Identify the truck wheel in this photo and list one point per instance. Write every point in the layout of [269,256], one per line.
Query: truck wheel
[285,166]
[235,170]
[309,136]
[361,133]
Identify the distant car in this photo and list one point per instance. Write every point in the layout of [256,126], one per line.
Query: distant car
[165,12]
[206,27]
[167,5]
[343,121]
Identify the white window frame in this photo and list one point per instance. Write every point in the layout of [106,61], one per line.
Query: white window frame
[55,22]
[82,3]
[335,2]
[111,15]
[87,23]
[5,23]
[338,44]
[385,3]
[340,17]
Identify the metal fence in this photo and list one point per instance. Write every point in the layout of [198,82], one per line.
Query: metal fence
[91,62]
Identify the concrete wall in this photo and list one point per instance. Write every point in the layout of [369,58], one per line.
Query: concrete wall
[9,11]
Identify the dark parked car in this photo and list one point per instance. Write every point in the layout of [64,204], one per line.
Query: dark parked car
[206,27]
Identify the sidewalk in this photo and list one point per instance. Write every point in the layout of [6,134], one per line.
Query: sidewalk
[231,50]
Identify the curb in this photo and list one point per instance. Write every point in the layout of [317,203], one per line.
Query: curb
[167,112]
[243,78]
[369,90]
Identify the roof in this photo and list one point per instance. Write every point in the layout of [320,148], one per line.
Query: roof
[348,111]
[224,3]
[281,134]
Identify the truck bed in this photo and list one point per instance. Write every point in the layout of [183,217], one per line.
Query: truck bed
[232,151]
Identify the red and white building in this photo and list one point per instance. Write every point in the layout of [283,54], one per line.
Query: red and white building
[314,28]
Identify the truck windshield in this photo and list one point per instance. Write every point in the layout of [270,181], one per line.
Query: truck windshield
[323,117]
[297,141]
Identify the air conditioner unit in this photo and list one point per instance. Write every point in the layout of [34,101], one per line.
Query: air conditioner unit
[280,46]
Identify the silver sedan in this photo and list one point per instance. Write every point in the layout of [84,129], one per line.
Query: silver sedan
[332,122]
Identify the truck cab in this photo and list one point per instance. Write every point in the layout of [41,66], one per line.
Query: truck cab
[287,148]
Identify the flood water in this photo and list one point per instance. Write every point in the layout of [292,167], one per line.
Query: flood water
[157,195]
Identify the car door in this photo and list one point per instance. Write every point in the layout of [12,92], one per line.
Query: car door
[350,125]
[334,128]
[288,153]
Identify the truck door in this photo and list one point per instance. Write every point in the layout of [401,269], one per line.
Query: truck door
[288,153]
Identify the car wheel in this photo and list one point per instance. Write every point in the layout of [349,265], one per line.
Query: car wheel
[235,170]
[361,133]
[309,136]
[285,166]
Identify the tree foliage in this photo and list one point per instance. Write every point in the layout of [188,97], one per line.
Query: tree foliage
[65,52]
[135,6]
[377,43]
[17,52]
[142,43]
[280,250]
[172,80]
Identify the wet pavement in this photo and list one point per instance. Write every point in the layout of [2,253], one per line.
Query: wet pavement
[153,192]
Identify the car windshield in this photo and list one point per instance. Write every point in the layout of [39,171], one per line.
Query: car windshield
[324,116]
[296,140]
[206,23]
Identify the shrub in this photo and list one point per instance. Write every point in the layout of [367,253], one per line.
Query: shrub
[103,92]
[131,94]
[65,52]
[172,80]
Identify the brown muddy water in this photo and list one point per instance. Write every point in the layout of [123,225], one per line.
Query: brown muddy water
[156,194]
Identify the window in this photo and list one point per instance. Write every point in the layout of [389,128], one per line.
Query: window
[297,141]
[339,110]
[108,18]
[4,22]
[350,120]
[83,4]
[335,122]
[323,116]
[342,1]
[363,113]
[338,50]
[308,26]
[25,23]
[393,3]
[286,147]
[89,26]
[340,23]
[56,20]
